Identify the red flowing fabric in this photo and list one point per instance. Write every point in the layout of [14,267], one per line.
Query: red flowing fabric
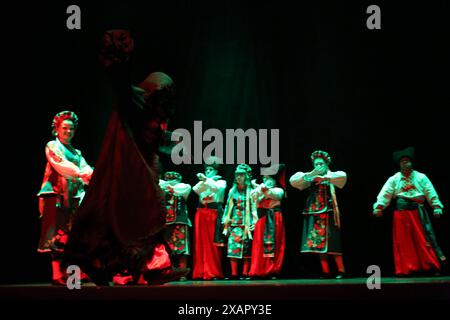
[412,252]
[122,217]
[263,266]
[123,191]
[207,257]
[122,214]
[160,259]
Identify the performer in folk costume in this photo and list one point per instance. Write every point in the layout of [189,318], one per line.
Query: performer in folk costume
[239,220]
[62,190]
[269,241]
[208,228]
[322,225]
[414,242]
[177,218]
[119,227]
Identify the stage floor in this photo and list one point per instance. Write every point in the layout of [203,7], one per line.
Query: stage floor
[432,288]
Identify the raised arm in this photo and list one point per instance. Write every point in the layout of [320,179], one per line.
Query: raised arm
[275,194]
[60,163]
[338,178]
[210,184]
[300,180]
[182,190]
[115,52]
[261,192]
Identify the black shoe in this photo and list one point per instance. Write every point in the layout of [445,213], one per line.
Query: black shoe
[166,275]
[340,275]
[233,277]
[325,275]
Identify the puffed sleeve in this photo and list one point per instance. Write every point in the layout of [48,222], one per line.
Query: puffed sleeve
[275,194]
[59,162]
[182,189]
[338,178]
[385,196]
[430,193]
[257,193]
[298,181]
[211,185]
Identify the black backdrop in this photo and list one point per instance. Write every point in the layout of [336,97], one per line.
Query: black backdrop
[312,70]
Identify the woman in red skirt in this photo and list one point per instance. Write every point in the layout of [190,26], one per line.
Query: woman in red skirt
[269,240]
[66,175]
[208,228]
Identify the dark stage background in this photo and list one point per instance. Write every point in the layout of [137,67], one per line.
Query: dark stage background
[311,69]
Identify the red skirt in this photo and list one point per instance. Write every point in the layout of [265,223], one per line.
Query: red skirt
[412,252]
[207,257]
[264,266]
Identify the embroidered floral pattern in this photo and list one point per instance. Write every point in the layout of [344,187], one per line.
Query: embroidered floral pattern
[237,217]
[269,233]
[57,242]
[171,206]
[235,243]
[317,237]
[318,200]
[178,239]
[407,185]
[238,247]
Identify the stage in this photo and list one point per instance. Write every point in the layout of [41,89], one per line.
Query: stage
[424,288]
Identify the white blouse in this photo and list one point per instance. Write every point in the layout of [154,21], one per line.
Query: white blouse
[417,186]
[211,190]
[179,189]
[337,178]
[63,161]
[272,197]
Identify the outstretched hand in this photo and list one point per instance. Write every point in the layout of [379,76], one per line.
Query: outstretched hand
[437,213]
[201,176]
[378,214]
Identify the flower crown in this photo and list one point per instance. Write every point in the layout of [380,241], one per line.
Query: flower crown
[321,154]
[244,168]
[61,116]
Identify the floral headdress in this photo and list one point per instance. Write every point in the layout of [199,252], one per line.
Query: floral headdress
[60,117]
[321,154]
[244,168]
